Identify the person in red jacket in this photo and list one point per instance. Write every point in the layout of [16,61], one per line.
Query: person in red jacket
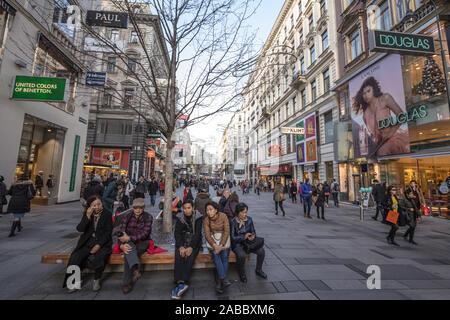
[162,187]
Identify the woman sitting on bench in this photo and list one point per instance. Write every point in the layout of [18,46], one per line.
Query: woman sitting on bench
[95,244]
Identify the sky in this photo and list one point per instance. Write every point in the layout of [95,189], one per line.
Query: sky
[210,132]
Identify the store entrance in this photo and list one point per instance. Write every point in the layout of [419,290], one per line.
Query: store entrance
[40,157]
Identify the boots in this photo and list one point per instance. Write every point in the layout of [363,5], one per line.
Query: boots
[19,225]
[411,237]
[13,228]
[219,286]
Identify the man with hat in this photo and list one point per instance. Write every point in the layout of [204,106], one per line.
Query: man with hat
[134,236]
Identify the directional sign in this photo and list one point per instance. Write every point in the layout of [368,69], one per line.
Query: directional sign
[95,79]
[293,130]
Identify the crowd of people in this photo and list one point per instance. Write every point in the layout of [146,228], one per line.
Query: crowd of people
[220,224]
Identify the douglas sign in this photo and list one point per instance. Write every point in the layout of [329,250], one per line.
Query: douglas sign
[403,43]
[107,19]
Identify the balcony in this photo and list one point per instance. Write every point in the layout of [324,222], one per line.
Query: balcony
[114,139]
[297,80]
[265,113]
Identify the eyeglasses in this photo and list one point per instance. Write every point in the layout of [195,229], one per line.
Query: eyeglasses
[139,208]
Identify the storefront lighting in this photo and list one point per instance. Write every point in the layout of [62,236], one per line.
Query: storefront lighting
[49,130]
[434,130]
[420,133]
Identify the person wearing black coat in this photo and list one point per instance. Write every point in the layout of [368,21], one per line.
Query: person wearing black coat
[152,190]
[379,192]
[391,202]
[95,244]
[242,229]
[3,193]
[188,242]
[21,192]
[409,205]
[319,192]
[93,188]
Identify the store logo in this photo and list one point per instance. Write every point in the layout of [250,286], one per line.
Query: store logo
[374,280]
[74,280]
[403,43]
[403,117]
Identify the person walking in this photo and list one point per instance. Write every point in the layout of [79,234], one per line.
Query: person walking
[326,190]
[21,192]
[391,203]
[230,206]
[109,197]
[320,200]
[141,188]
[307,200]
[129,191]
[294,191]
[94,246]
[201,200]
[300,192]
[217,234]
[162,187]
[188,194]
[3,193]
[335,189]
[378,193]
[419,199]
[279,197]
[409,205]
[243,232]
[93,188]
[188,242]
[224,199]
[39,183]
[152,190]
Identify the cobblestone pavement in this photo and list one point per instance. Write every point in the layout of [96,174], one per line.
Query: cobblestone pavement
[305,259]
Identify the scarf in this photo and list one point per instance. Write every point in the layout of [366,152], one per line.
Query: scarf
[96,218]
[241,222]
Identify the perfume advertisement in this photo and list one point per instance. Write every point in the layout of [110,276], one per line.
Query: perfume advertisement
[307,143]
[378,106]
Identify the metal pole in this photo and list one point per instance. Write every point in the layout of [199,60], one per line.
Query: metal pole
[444,61]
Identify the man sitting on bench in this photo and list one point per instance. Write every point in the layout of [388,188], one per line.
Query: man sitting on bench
[134,235]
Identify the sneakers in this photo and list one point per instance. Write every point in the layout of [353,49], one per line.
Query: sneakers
[179,290]
[261,274]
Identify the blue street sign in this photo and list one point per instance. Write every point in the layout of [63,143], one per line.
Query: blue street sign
[95,79]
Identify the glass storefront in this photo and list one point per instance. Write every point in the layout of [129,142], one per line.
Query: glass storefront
[40,153]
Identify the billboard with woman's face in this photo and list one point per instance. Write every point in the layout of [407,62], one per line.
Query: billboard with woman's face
[378,102]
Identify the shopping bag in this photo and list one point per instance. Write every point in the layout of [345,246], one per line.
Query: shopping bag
[426,210]
[392,217]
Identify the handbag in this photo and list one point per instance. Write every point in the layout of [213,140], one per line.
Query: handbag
[4,201]
[253,245]
[217,236]
[282,197]
[30,195]
[403,218]
[314,198]
[392,217]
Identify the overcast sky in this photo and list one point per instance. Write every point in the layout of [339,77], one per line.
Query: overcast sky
[211,131]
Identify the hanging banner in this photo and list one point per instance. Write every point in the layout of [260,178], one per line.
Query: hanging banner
[112,158]
[307,142]
[378,100]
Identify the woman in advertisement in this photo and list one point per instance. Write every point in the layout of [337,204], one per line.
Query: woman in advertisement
[376,107]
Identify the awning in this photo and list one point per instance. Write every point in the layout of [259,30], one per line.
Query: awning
[7,7]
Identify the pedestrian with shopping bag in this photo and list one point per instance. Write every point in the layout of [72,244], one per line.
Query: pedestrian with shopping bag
[279,197]
[391,208]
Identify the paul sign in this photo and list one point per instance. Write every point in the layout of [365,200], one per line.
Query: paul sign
[107,19]
[402,43]
[403,117]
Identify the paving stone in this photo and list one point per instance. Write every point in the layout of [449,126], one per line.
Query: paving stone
[280,288]
[316,285]
[324,272]
[345,284]
[294,286]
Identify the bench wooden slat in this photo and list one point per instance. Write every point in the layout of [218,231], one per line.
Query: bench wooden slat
[117,259]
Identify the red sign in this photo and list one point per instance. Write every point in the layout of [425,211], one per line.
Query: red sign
[180,147]
[183,117]
[275,151]
[153,141]
[150,153]
[112,158]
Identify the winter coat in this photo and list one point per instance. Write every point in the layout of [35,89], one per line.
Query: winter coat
[219,224]
[188,195]
[326,188]
[293,189]
[109,196]
[278,190]
[406,205]
[200,202]
[195,229]
[141,187]
[378,193]
[306,188]
[320,197]
[19,202]
[153,188]
[93,188]
[230,209]
[3,192]
[103,233]
[238,234]
[222,203]
[38,181]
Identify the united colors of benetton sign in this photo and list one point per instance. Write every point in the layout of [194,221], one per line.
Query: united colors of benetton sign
[39,88]
[402,43]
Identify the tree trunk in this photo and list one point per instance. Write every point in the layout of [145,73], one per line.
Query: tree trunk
[168,169]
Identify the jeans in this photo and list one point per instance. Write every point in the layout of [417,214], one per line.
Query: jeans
[336,198]
[307,203]
[279,203]
[379,209]
[221,262]
[131,260]
[318,208]
[153,199]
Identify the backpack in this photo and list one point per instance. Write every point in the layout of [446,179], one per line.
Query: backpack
[336,188]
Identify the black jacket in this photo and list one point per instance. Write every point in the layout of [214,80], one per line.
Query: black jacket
[222,203]
[103,233]
[93,188]
[238,234]
[141,187]
[153,188]
[3,191]
[19,202]
[320,197]
[387,203]
[378,193]
[195,229]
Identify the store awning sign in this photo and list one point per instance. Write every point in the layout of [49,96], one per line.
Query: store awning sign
[39,88]
[95,79]
[402,43]
[292,130]
[107,19]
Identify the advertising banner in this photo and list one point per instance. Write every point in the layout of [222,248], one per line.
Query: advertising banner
[378,100]
[112,158]
[39,88]
[307,142]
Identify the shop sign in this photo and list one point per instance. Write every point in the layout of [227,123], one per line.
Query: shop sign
[95,79]
[107,19]
[73,174]
[154,135]
[39,88]
[82,120]
[293,130]
[112,158]
[96,45]
[403,117]
[395,42]
[275,151]
[153,141]
[150,153]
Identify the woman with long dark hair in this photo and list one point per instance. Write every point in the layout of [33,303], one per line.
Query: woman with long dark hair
[391,203]
[376,106]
